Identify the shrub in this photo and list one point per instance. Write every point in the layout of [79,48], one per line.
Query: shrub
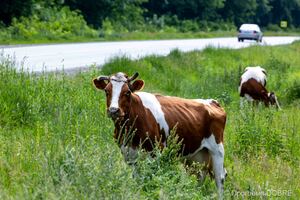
[293,92]
[157,175]
[278,70]
[189,26]
[255,132]
[50,24]
[273,27]
[107,27]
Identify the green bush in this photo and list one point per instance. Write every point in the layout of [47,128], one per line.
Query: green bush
[273,27]
[51,24]
[255,133]
[158,174]
[293,92]
[189,26]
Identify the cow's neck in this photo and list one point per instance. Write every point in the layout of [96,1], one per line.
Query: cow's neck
[127,126]
[136,111]
[265,97]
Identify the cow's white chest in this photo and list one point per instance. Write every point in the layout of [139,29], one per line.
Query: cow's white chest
[150,101]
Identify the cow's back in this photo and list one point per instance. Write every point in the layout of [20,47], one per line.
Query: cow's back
[194,119]
[254,89]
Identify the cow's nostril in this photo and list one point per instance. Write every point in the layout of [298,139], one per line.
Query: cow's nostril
[113,110]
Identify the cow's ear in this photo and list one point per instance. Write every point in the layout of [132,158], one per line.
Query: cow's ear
[137,85]
[264,71]
[100,83]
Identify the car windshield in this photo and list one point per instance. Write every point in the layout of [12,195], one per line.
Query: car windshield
[250,27]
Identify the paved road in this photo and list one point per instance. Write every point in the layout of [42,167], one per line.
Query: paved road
[70,56]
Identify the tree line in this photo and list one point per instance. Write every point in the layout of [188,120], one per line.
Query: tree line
[132,14]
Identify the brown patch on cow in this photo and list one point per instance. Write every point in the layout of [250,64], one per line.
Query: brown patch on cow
[256,90]
[194,121]
[147,131]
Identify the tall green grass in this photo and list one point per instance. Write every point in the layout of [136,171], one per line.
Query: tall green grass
[57,143]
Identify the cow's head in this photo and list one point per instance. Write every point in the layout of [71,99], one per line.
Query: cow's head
[273,99]
[118,88]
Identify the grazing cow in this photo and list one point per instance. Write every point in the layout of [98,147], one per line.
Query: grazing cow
[252,86]
[199,123]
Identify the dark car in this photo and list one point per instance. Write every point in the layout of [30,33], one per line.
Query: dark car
[250,32]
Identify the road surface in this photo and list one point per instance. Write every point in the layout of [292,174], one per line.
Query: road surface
[53,57]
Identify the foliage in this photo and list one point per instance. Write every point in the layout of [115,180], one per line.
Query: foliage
[193,9]
[94,12]
[285,10]
[127,14]
[156,15]
[10,9]
[124,14]
[51,24]
[293,92]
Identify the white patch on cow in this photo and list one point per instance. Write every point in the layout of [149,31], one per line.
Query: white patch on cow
[130,154]
[117,82]
[217,153]
[205,101]
[150,101]
[253,72]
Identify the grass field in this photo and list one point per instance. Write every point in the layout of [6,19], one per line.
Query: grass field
[56,141]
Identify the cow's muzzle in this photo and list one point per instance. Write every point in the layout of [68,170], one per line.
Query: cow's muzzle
[113,112]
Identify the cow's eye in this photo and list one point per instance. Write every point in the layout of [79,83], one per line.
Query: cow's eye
[128,93]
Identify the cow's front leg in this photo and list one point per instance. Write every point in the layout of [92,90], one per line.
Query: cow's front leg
[217,154]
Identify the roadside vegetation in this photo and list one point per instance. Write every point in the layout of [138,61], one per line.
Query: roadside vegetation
[52,21]
[57,143]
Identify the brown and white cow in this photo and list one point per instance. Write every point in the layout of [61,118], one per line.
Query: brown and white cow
[199,123]
[253,86]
